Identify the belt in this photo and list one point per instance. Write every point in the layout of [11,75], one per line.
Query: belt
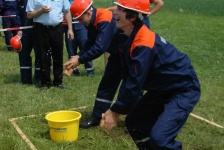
[47,26]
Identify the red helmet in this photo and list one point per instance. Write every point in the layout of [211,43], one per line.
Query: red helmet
[78,7]
[141,6]
[16,43]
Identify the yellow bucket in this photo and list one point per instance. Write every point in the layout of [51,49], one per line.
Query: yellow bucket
[63,125]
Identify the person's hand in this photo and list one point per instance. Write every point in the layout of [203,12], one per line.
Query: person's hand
[73,62]
[20,34]
[70,35]
[109,119]
[46,9]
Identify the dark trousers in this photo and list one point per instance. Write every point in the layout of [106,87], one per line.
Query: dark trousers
[50,44]
[9,22]
[158,118]
[146,21]
[25,59]
[108,85]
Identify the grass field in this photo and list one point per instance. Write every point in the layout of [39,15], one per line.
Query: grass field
[194,27]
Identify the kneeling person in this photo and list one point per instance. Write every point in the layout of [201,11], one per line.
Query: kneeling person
[152,64]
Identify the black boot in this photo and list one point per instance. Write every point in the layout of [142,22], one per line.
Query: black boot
[93,121]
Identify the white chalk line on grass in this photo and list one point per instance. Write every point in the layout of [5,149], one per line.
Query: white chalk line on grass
[205,120]
[32,147]
[24,137]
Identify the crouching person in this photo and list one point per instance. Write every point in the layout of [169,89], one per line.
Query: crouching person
[152,64]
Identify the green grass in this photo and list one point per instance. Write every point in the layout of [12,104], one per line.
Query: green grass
[194,27]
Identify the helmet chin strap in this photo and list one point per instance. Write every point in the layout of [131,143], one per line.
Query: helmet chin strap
[140,16]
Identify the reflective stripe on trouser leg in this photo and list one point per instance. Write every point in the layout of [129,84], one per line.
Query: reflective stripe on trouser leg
[26,74]
[103,100]
[9,47]
[101,105]
[89,67]
[90,71]
[37,75]
[141,139]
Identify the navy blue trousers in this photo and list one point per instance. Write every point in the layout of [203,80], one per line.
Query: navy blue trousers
[25,58]
[108,86]
[146,21]
[158,117]
[9,22]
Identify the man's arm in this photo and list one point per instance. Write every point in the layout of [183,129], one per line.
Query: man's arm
[157,6]
[102,42]
[38,12]
[68,18]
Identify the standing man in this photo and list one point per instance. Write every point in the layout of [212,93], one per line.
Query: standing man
[152,64]
[9,8]
[102,36]
[48,16]
[28,43]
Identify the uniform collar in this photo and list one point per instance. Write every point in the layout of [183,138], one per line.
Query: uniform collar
[130,39]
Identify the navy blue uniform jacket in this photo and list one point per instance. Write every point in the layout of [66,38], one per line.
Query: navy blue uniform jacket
[8,7]
[103,35]
[153,64]
[23,14]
